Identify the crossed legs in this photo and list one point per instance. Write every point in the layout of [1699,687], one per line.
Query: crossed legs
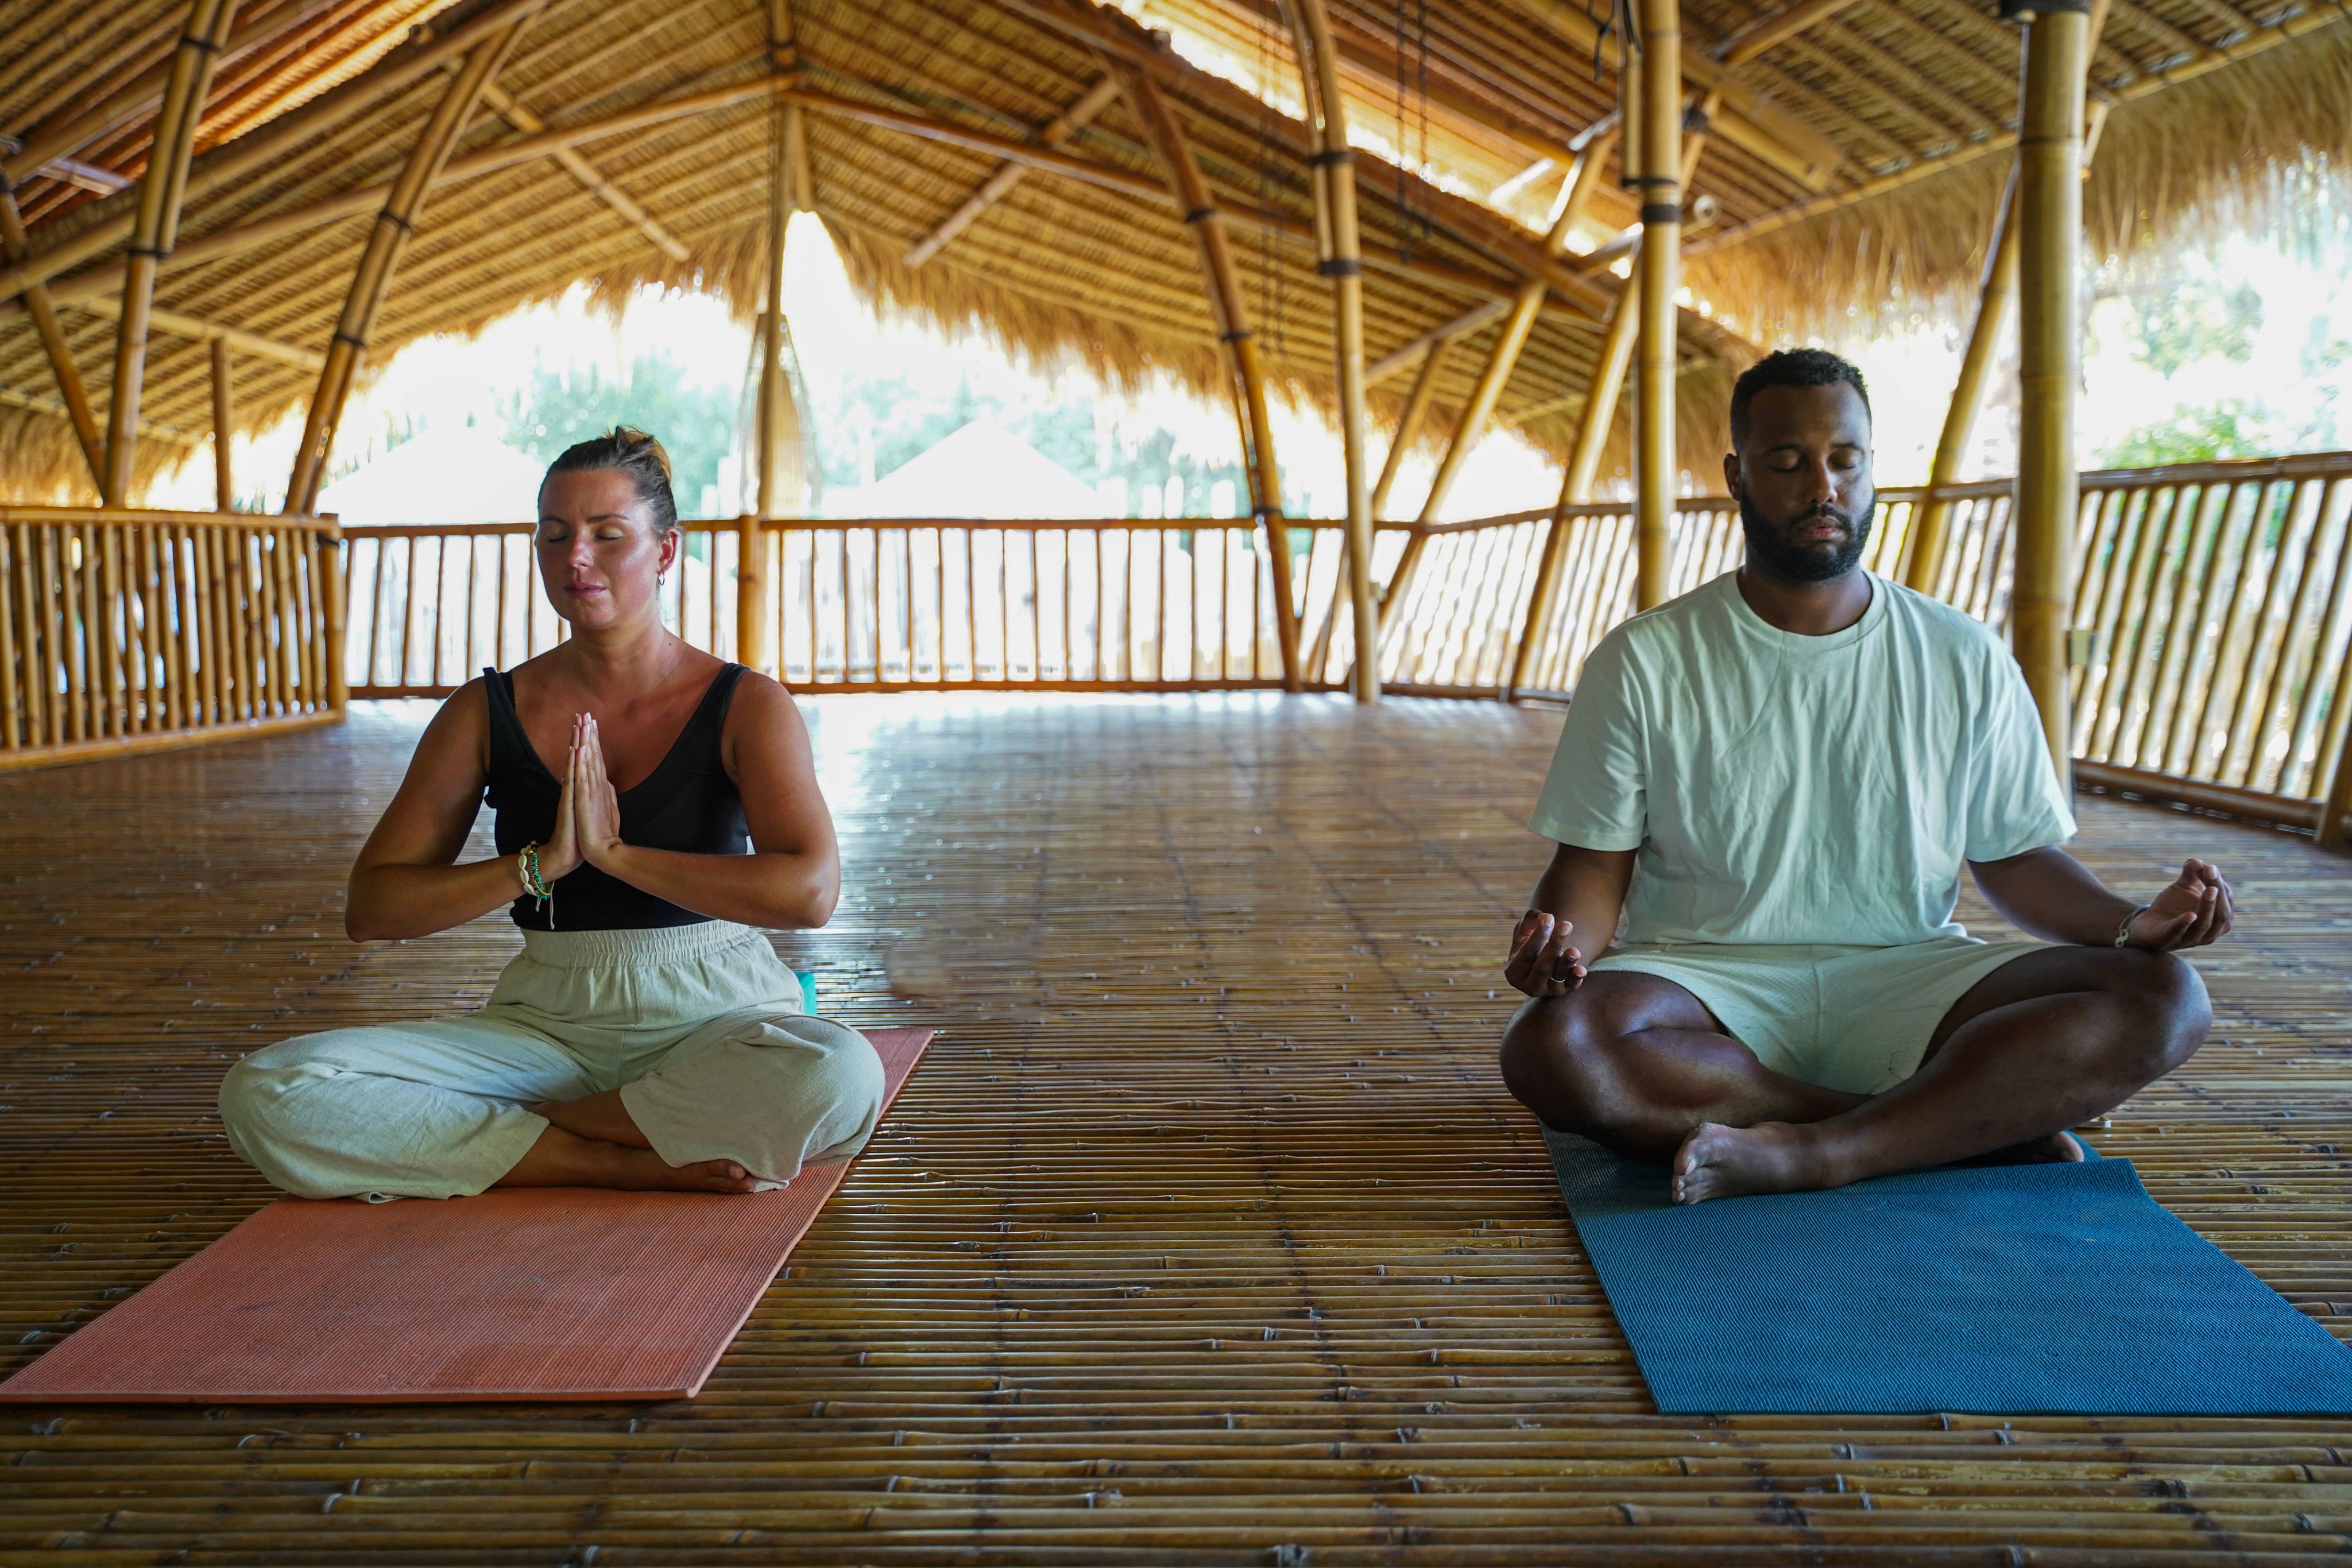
[2052,1038]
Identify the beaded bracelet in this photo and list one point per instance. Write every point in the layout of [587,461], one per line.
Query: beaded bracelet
[527,862]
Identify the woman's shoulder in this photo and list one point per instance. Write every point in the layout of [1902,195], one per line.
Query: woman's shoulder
[757,698]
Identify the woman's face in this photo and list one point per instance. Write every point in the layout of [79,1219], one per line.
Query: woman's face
[598,553]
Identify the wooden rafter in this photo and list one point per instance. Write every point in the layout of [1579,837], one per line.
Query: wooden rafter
[1011,172]
[393,227]
[161,192]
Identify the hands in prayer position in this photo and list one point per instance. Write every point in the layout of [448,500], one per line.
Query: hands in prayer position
[588,813]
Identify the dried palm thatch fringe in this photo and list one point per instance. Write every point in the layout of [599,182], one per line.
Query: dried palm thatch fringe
[2263,146]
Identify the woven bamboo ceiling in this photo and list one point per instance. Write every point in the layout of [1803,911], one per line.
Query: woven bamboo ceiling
[1855,158]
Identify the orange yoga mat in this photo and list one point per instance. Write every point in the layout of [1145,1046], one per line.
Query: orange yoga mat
[545,1293]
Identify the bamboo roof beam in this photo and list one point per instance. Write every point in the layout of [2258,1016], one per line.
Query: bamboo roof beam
[34,402]
[2299,25]
[1011,172]
[1748,118]
[1042,158]
[114,218]
[1416,409]
[272,227]
[393,227]
[198,329]
[161,192]
[1436,338]
[74,398]
[1502,357]
[143,94]
[592,179]
[1229,310]
[1760,36]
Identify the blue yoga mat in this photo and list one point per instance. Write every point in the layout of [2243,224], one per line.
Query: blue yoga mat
[2014,1289]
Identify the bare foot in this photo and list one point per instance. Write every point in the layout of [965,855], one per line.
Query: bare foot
[641,1170]
[566,1159]
[2057,1149]
[1718,1161]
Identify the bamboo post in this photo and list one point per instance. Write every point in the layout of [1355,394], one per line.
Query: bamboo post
[46,326]
[1996,305]
[1659,264]
[224,428]
[751,546]
[1997,301]
[2050,212]
[394,224]
[1340,260]
[1576,194]
[161,191]
[1228,307]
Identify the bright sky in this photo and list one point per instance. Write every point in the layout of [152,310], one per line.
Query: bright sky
[452,381]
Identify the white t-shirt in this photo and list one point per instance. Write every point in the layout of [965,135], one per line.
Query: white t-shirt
[1793,789]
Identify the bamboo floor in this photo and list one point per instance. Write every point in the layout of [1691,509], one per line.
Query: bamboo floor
[1205,1235]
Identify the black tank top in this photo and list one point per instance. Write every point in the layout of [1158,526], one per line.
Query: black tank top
[687,804]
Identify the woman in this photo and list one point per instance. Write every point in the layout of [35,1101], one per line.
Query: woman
[646,1036]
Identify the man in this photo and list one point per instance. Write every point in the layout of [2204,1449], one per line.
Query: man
[1773,780]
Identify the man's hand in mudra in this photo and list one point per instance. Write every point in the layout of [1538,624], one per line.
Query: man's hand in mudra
[1541,962]
[2195,910]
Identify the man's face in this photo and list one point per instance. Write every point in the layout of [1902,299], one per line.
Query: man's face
[1802,481]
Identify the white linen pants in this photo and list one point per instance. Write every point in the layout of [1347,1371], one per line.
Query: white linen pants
[699,1027]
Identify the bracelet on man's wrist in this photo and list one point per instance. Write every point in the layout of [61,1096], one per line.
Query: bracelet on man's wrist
[2123,931]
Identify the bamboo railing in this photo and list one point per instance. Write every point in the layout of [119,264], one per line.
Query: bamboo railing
[863,606]
[124,630]
[2212,615]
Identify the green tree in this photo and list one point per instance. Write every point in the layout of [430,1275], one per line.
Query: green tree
[2231,428]
[2182,320]
[695,423]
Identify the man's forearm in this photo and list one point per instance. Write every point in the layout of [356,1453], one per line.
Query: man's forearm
[1586,889]
[2049,893]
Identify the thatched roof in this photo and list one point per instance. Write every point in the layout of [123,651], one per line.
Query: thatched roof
[1890,113]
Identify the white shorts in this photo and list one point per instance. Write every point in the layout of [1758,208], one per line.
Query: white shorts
[1852,1018]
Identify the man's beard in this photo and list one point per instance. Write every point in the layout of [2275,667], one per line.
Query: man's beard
[1771,553]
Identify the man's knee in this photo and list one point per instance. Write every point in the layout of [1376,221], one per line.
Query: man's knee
[2157,1004]
[1557,1060]
[2171,994]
